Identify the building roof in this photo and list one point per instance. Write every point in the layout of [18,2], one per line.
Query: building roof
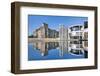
[75,25]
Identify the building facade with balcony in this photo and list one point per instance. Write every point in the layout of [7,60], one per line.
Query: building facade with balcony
[75,32]
[78,38]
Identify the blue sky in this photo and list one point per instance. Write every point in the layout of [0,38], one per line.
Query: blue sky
[35,21]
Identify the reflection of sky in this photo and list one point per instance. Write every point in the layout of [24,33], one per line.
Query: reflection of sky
[34,54]
[35,21]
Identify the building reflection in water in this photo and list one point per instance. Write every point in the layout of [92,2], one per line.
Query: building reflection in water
[43,47]
[64,47]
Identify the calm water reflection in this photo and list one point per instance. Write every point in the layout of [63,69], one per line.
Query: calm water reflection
[41,50]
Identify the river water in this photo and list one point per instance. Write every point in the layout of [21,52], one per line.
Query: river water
[53,51]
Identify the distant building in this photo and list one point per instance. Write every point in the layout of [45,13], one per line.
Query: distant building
[45,32]
[85,34]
